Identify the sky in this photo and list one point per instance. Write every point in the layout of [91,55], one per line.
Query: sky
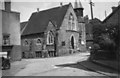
[27,7]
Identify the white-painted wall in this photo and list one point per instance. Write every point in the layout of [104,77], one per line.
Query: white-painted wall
[11,25]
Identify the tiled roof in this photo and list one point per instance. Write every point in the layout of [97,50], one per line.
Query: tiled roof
[38,21]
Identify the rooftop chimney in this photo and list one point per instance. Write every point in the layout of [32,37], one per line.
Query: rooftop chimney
[113,8]
[7,5]
[61,4]
[38,10]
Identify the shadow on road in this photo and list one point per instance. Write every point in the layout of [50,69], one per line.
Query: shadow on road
[88,66]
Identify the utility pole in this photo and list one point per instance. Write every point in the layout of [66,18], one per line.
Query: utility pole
[91,4]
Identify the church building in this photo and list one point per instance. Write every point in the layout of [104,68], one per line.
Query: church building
[57,31]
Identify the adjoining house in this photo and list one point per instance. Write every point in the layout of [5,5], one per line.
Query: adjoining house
[114,19]
[59,30]
[10,39]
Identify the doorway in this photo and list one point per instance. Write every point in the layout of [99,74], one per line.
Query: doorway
[72,42]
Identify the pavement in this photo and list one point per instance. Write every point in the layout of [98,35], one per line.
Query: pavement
[98,68]
[112,64]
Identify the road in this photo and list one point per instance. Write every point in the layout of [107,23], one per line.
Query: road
[72,65]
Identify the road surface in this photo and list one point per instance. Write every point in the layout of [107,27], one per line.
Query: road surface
[72,65]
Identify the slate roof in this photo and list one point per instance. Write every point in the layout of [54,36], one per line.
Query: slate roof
[111,14]
[38,21]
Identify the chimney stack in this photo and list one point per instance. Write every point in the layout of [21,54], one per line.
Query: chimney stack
[7,5]
[38,10]
[61,4]
[113,8]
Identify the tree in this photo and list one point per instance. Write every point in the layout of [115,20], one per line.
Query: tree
[107,36]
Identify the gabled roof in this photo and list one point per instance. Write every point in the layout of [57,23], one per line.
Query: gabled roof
[117,8]
[38,21]
[22,25]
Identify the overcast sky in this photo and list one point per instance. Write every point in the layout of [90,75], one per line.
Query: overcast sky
[27,8]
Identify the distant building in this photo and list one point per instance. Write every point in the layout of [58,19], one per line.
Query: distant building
[89,33]
[10,39]
[57,30]
[89,25]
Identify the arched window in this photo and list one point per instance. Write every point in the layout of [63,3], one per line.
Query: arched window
[50,38]
[38,42]
[26,43]
[71,22]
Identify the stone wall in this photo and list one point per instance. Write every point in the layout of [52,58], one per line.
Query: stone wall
[65,34]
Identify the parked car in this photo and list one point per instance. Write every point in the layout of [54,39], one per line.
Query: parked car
[5,61]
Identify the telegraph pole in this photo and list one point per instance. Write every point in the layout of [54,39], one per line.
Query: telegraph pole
[91,4]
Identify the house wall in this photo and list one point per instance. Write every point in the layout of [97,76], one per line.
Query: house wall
[11,25]
[0,30]
[65,35]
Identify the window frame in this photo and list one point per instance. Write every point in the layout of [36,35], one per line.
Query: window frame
[25,42]
[71,22]
[50,38]
[6,40]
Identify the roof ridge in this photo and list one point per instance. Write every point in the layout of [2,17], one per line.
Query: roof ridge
[38,20]
[52,8]
[111,13]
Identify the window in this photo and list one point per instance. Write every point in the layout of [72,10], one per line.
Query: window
[50,38]
[71,22]
[63,43]
[38,42]
[26,43]
[6,40]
